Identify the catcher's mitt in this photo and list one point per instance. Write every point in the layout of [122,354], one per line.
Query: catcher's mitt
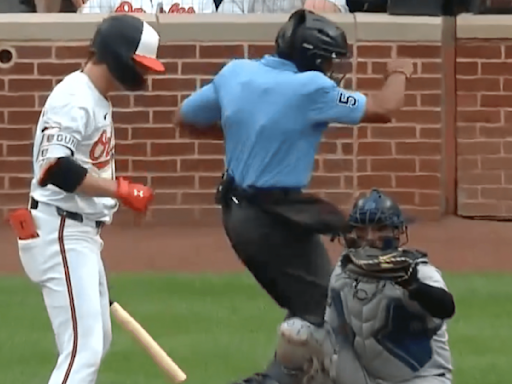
[395,265]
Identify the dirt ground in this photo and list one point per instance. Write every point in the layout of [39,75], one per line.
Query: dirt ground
[453,244]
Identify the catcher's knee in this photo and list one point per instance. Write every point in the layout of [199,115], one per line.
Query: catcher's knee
[302,345]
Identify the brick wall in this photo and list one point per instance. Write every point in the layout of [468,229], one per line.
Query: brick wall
[484,133]
[402,158]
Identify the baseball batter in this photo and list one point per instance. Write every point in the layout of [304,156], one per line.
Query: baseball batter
[385,329]
[74,193]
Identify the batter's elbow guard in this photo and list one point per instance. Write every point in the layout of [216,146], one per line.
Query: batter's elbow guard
[64,173]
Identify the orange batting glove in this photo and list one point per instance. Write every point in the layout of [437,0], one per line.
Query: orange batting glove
[134,196]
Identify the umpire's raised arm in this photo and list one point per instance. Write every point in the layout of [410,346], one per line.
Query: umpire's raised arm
[331,104]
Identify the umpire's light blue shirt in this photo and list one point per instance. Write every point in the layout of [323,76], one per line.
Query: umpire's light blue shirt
[273,118]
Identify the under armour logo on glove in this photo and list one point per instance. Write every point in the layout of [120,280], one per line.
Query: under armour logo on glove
[134,196]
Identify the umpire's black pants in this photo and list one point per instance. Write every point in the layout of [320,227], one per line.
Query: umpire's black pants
[290,263]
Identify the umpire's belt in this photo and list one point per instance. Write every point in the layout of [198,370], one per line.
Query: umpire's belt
[264,196]
[75,216]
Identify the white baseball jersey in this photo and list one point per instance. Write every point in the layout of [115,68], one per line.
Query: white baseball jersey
[148,6]
[76,121]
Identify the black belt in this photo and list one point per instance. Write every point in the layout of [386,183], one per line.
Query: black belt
[75,216]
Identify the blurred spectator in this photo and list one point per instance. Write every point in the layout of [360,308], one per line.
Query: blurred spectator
[282,6]
[49,6]
[148,6]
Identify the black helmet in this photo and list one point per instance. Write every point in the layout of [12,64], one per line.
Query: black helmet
[310,40]
[126,44]
[379,211]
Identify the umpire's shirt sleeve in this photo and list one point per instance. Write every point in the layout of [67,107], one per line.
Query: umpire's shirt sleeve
[331,104]
[202,108]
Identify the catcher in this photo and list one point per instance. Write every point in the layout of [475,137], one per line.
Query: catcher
[387,309]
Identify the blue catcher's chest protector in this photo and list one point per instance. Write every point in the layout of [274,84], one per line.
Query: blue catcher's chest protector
[392,335]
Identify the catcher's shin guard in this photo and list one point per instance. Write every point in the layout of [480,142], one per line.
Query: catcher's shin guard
[304,347]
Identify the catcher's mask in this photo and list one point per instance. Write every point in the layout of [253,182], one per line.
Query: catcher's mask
[128,47]
[314,43]
[377,222]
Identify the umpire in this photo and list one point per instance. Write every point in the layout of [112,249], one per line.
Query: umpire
[273,112]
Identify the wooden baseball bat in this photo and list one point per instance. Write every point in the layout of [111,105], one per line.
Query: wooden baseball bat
[148,343]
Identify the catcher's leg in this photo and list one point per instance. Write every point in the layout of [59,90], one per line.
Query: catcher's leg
[442,379]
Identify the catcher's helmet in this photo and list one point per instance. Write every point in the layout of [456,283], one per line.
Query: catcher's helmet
[310,41]
[376,209]
[128,47]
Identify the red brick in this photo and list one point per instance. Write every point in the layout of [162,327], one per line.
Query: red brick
[177,51]
[431,67]
[165,199]
[495,100]
[203,165]
[404,198]
[494,131]
[416,116]
[493,163]
[131,149]
[480,147]
[155,100]
[18,150]
[468,193]
[19,68]
[28,84]
[172,149]
[15,166]
[173,84]
[325,182]
[173,182]
[466,68]
[21,117]
[202,68]
[128,117]
[418,181]
[17,101]
[429,199]
[467,100]
[495,69]
[368,181]
[53,68]
[417,148]
[430,100]
[429,165]
[479,84]
[419,51]
[373,51]
[72,52]
[120,100]
[485,51]
[393,165]
[33,52]
[152,133]
[19,183]
[197,198]
[221,51]
[337,165]
[155,166]
[468,163]
[496,193]
[479,178]
[487,116]
[325,148]
[208,182]
[424,83]
[374,148]
[387,132]
[210,148]
[162,117]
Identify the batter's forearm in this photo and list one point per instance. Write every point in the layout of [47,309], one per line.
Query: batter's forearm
[95,186]
[438,302]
